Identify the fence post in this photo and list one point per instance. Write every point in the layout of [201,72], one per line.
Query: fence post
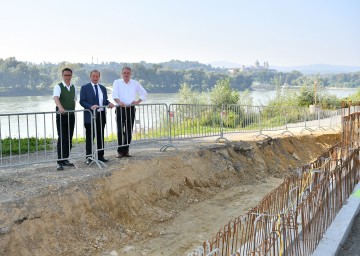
[260,124]
[222,121]
[169,114]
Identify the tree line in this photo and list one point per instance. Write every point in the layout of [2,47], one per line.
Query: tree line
[26,78]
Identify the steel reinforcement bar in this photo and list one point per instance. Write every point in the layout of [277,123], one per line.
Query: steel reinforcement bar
[292,218]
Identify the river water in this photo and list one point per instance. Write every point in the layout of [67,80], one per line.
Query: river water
[46,103]
[37,124]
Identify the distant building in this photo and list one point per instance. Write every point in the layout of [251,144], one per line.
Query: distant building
[256,67]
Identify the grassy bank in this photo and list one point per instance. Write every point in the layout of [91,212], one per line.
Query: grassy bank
[14,146]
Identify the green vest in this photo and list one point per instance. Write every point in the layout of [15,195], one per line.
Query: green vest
[67,98]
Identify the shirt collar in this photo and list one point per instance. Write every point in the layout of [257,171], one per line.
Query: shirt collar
[66,84]
[125,82]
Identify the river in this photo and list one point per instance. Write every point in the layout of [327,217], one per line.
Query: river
[46,103]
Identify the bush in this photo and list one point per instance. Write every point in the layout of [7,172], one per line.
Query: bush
[222,93]
[209,118]
[330,102]
[232,119]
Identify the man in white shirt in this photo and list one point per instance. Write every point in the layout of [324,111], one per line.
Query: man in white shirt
[126,93]
[65,97]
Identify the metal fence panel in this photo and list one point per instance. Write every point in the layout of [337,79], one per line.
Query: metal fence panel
[29,138]
[194,121]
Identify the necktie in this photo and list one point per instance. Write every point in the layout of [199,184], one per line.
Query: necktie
[97,94]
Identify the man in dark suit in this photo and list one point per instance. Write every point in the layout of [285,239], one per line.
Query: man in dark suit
[93,96]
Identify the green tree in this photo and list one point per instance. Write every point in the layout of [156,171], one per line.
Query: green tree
[241,82]
[186,95]
[355,97]
[306,96]
[222,93]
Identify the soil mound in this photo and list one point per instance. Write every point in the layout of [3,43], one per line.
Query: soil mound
[148,205]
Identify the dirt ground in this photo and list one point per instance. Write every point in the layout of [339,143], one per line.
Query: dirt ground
[155,203]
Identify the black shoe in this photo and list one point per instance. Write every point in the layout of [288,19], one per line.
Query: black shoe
[102,159]
[60,167]
[88,161]
[67,163]
[127,154]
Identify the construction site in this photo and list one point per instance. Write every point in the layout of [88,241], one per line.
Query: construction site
[247,195]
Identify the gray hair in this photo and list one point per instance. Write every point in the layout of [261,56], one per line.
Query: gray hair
[94,71]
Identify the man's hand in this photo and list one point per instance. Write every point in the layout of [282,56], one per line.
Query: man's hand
[111,105]
[93,107]
[58,104]
[136,102]
[120,103]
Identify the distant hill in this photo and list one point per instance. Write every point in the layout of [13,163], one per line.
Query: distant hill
[306,69]
[187,65]
[225,64]
[319,68]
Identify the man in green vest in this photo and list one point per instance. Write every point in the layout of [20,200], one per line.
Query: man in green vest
[65,97]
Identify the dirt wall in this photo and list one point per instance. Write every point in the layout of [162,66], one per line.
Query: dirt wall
[152,205]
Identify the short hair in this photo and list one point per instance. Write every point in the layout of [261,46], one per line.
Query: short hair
[66,69]
[125,68]
[94,71]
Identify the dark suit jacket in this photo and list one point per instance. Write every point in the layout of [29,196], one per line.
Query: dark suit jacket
[88,99]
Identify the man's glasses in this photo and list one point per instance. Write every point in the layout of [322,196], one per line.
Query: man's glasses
[67,75]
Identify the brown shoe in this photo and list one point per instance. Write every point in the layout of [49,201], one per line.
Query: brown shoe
[127,154]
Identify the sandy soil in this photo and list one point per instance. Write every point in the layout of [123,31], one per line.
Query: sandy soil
[156,203]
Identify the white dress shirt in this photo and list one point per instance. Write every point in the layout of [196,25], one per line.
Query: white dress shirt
[127,92]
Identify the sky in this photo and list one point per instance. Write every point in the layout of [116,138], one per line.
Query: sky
[281,32]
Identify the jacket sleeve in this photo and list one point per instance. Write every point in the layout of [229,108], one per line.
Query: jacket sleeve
[84,98]
[105,96]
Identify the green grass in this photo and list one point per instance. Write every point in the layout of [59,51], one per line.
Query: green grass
[15,146]
[79,140]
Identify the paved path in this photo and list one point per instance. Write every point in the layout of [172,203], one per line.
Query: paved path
[343,235]
[351,246]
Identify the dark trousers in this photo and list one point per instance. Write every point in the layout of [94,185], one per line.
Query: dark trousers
[125,117]
[65,124]
[100,125]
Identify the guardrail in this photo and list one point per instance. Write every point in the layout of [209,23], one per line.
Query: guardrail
[30,138]
[194,121]
[152,123]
